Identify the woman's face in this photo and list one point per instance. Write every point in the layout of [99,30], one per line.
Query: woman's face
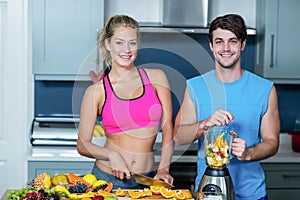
[123,46]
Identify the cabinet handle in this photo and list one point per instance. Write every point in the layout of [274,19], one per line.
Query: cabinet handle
[272,51]
[291,175]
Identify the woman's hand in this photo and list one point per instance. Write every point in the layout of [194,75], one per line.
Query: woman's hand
[164,175]
[118,165]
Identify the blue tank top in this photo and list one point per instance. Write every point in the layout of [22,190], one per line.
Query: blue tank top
[247,99]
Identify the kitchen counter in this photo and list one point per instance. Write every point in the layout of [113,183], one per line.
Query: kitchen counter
[54,153]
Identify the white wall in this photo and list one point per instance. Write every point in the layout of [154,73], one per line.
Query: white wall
[151,10]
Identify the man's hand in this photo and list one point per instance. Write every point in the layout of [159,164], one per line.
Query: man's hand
[96,78]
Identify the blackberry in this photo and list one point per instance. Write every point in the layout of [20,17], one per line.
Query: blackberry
[78,188]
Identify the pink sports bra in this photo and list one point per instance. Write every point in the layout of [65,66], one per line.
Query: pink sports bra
[119,115]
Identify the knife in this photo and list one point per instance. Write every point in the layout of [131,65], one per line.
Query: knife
[145,180]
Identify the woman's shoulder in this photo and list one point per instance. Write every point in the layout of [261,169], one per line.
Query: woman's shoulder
[155,74]
[95,89]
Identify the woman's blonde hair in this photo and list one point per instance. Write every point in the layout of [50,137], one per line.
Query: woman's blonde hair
[109,29]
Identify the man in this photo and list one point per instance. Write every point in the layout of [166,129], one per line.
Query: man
[230,95]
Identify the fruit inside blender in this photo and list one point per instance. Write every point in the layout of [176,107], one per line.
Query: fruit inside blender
[218,150]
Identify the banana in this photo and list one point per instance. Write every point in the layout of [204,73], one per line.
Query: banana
[99,131]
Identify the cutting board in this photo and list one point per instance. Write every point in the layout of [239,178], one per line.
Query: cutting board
[154,196]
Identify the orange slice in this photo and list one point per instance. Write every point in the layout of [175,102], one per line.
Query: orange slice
[155,189]
[179,194]
[120,192]
[147,192]
[135,194]
[167,193]
[187,194]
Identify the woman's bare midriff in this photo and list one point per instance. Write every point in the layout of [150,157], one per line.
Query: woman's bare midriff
[136,147]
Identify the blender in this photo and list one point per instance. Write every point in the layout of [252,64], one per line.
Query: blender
[216,182]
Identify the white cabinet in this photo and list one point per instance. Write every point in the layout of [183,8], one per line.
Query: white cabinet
[79,168]
[64,36]
[278,40]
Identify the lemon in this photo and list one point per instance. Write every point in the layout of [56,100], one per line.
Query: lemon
[99,182]
[90,178]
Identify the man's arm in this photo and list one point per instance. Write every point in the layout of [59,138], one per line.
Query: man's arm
[269,130]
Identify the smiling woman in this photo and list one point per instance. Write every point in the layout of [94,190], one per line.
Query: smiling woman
[133,103]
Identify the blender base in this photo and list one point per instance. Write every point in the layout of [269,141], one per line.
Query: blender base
[216,184]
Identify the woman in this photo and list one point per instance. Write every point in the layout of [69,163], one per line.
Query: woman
[133,103]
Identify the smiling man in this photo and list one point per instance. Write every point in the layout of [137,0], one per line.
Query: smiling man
[232,96]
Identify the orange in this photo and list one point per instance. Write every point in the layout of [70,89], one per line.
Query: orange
[187,194]
[135,194]
[167,193]
[179,194]
[147,192]
[155,189]
[120,192]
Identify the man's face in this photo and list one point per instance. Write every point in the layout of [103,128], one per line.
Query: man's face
[226,48]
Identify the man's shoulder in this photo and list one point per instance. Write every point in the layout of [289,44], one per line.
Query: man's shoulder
[258,78]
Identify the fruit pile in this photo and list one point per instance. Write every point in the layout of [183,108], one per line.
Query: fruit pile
[217,153]
[70,186]
[157,192]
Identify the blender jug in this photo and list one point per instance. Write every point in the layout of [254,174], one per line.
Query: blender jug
[217,144]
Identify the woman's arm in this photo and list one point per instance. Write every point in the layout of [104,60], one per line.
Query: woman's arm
[160,82]
[88,115]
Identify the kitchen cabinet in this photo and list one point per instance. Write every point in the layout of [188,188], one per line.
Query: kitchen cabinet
[58,167]
[278,40]
[64,37]
[283,180]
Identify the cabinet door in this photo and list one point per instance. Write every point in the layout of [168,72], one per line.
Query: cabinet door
[64,36]
[38,167]
[279,38]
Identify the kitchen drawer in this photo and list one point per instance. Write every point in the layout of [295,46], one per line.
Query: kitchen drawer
[283,179]
[279,194]
[282,175]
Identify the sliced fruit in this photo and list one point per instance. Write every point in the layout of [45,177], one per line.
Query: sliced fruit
[155,189]
[99,182]
[135,194]
[81,196]
[107,187]
[90,178]
[59,179]
[147,192]
[120,192]
[167,193]
[179,194]
[86,198]
[63,189]
[73,179]
[219,141]
[187,194]
[42,181]
[103,193]
[110,198]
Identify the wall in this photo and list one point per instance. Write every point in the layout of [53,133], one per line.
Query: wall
[151,11]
